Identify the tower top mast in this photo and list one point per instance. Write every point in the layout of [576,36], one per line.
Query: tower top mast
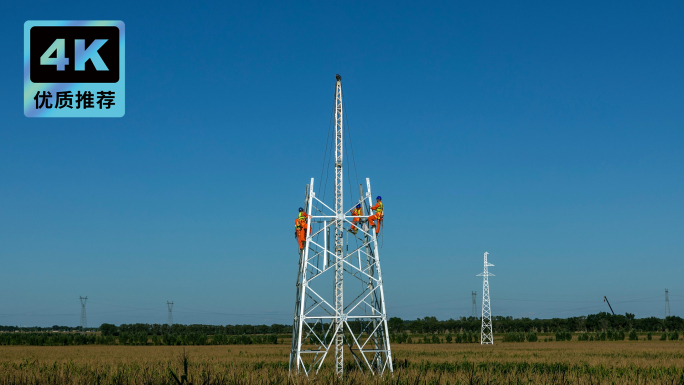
[339,231]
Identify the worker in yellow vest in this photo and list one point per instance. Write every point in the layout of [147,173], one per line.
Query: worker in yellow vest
[300,228]
[356,212]
[379,212]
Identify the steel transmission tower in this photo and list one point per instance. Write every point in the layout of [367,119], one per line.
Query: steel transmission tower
[169,321]
[84,321]
[486,332]
[321,317]
[667,303]
[474,293]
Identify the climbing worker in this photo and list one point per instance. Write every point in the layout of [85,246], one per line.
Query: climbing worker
[300,228]
[378,214]
[357,211]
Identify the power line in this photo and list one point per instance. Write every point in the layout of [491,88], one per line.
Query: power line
[325,157]
[569,310]
[351,144]
[155,309]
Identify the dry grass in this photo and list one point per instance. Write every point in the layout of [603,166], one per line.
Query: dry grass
[655,362]
[641,354]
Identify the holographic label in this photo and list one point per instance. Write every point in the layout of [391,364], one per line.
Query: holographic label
[74,68]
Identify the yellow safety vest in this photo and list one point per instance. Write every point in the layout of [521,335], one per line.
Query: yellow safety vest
[379,209]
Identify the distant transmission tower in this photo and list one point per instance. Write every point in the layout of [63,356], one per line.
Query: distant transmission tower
[325,317]
[474,305]
[667,303]
[169,321]
[84,321]
[486,333]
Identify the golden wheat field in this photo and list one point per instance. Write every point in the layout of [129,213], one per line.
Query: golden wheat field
[621,362]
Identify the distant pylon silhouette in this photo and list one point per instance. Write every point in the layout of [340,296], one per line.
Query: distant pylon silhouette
[169,321]
[486,332]
[667,303]
[84,321]
[474,304]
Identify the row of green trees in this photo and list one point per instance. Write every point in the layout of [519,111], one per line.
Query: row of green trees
[429,325]
[592,323]
[609,335]
[54,328]
[405,338]
[467,337]
[673,336]
[64,339]
[178,329]
[54,339]
[520,337]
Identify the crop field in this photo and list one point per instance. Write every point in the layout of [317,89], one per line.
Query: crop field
[575,362]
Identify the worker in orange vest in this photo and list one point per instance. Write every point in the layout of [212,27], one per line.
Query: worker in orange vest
[356,211]
[379,211]
[300,228]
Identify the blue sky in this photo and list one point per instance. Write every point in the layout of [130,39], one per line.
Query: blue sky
[548,134]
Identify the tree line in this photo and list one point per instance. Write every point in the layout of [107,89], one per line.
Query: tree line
[591,323]
[66,339]
[429,325]
[55,328]
[178,329]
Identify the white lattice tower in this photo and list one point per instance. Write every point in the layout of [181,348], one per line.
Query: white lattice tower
[169,320]
[322,318]
[84,320]
[486,332]
[667,303]
[474,294]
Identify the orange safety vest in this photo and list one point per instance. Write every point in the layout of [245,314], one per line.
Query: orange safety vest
[378,209]
[357,212]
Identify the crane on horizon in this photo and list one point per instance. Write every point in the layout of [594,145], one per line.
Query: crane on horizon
[605,299]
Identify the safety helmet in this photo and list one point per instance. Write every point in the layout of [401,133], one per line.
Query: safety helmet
[358,206]
[379,198]
[301,209]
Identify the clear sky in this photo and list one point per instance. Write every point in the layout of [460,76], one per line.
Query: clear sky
[548,134]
